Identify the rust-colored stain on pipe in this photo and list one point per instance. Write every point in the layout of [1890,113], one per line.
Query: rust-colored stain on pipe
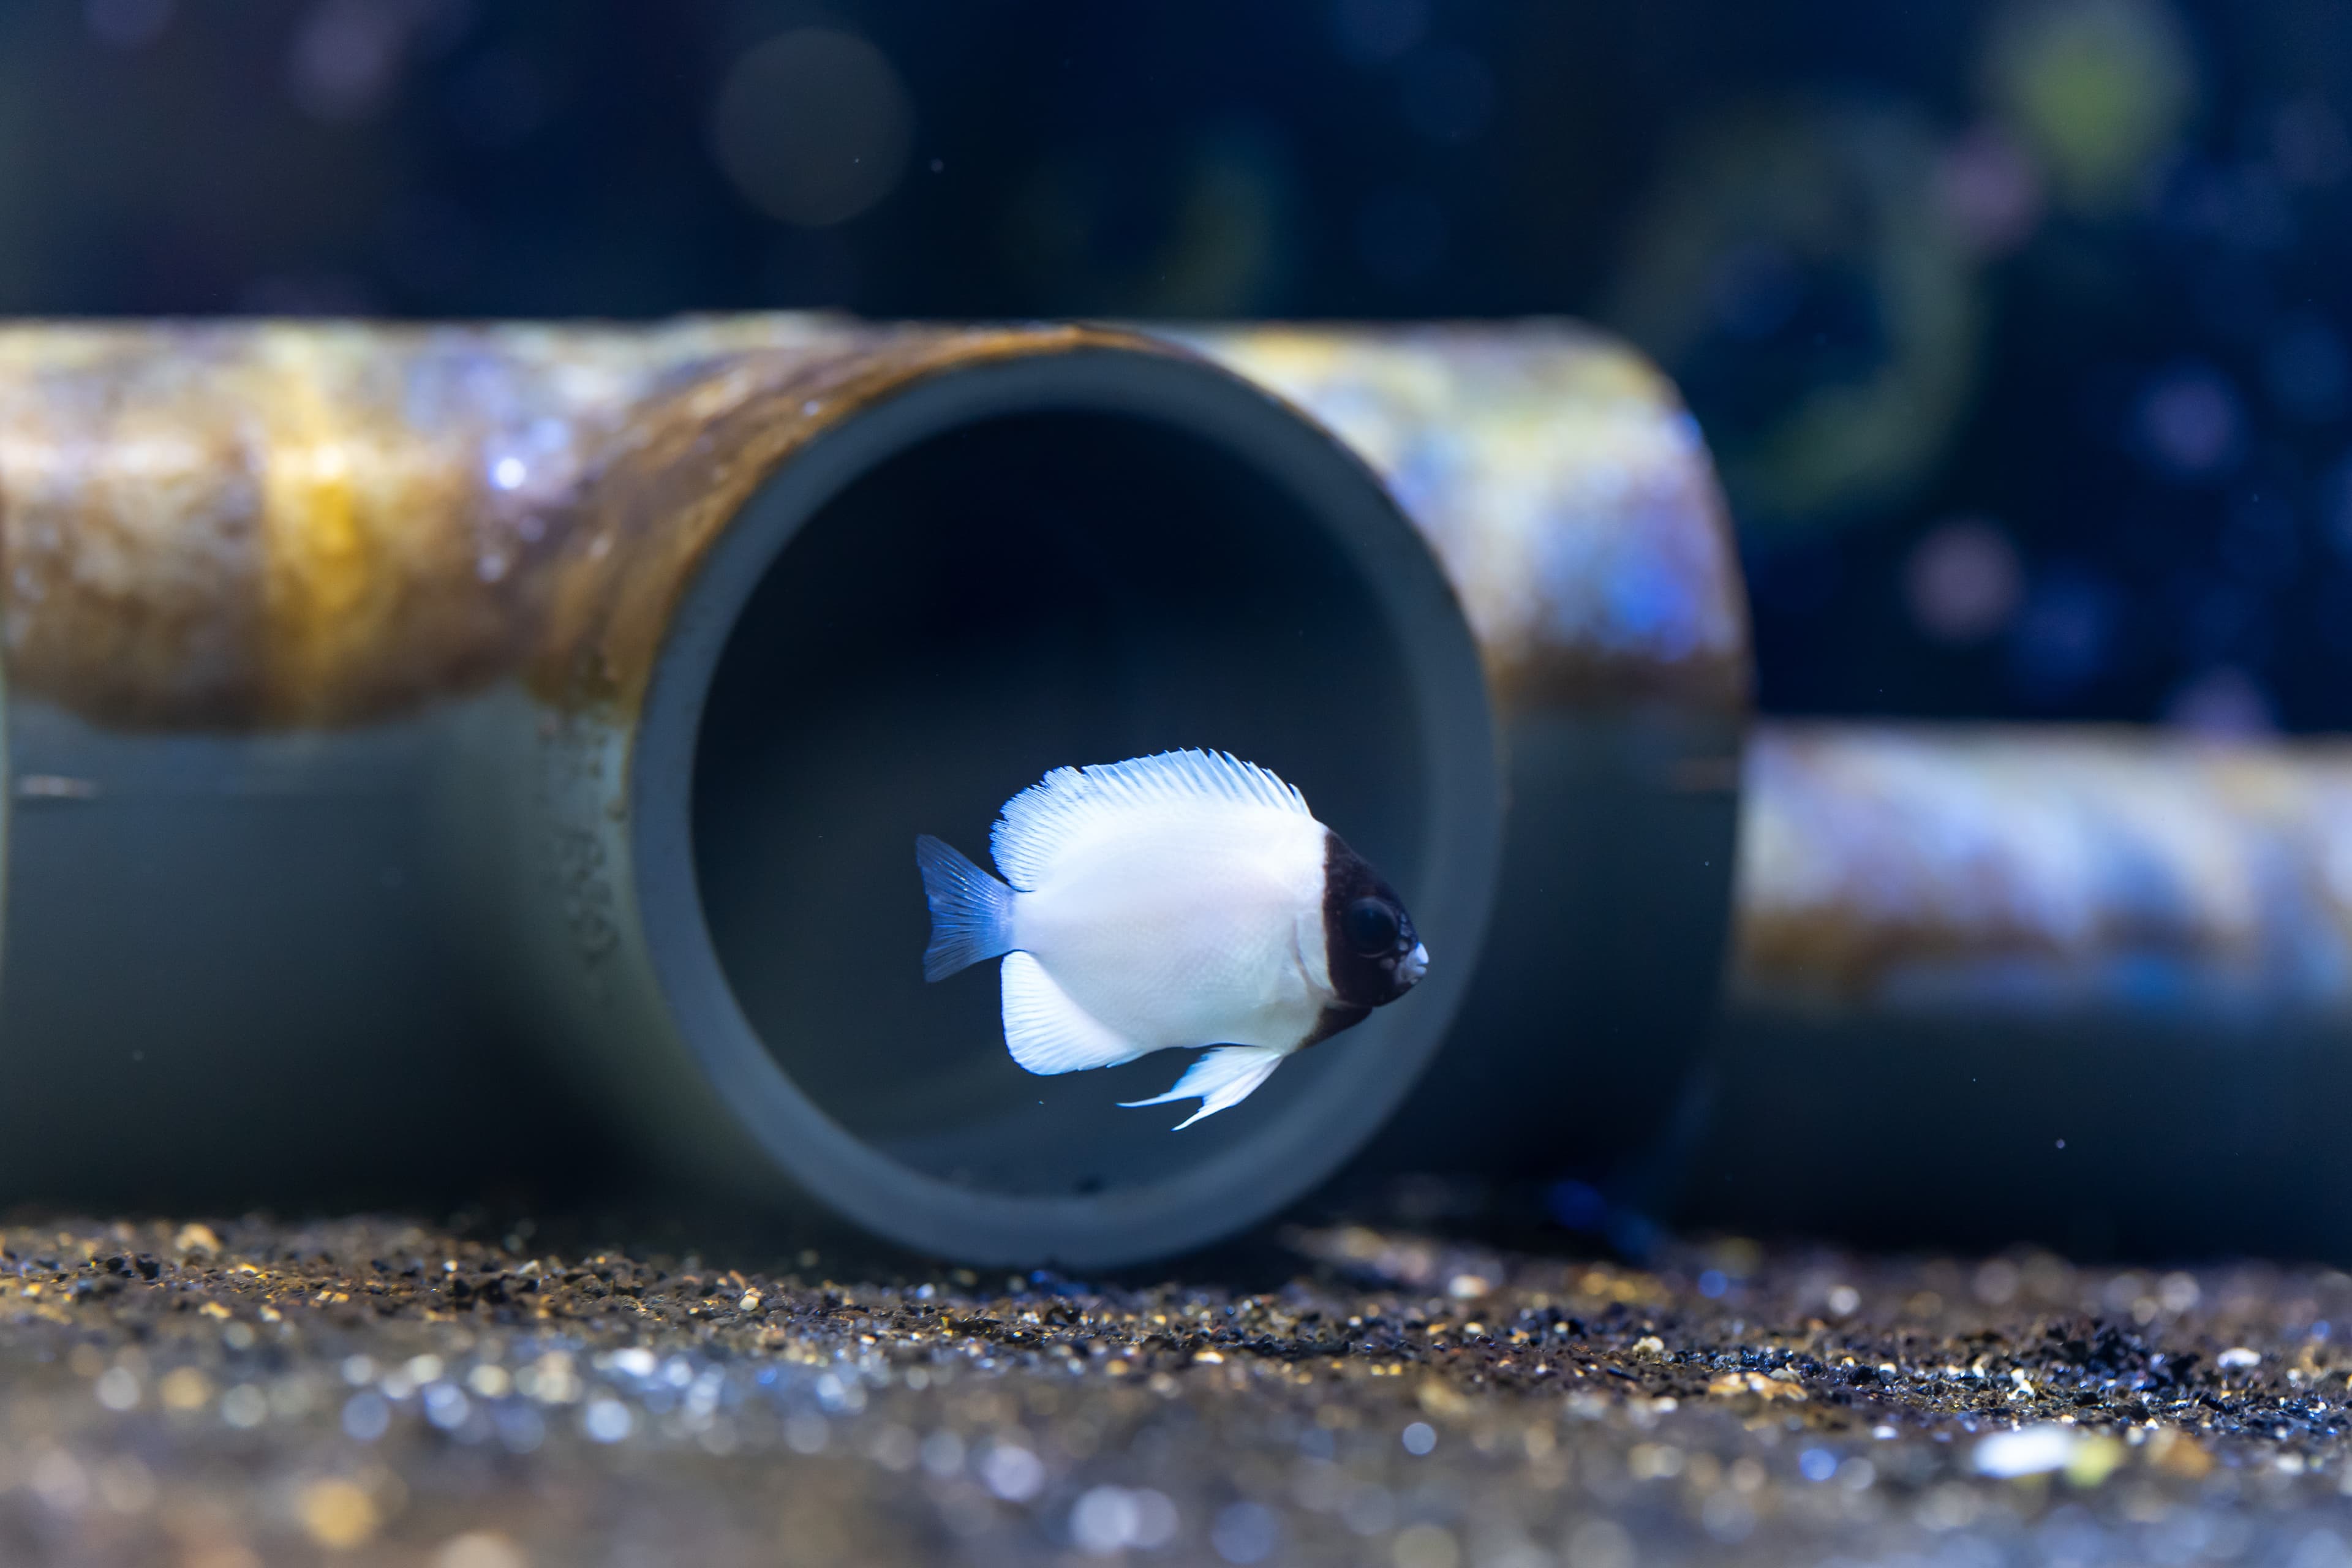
[279,524]
[1982,868]
[688,458]
[229,525]
[1560,481]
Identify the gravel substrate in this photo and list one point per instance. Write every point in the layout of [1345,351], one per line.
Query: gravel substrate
[219,1396]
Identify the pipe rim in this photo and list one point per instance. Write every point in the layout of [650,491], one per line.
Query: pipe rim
[1309,1141]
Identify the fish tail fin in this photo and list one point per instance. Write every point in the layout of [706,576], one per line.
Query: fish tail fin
[971,912]
[1223,1077]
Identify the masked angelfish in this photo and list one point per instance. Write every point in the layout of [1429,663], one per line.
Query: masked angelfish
[1182,899]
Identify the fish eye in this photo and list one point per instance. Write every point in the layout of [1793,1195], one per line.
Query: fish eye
[1371,926]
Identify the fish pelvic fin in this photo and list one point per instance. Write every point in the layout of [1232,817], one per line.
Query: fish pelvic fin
[1048,1033]
[971,912]
[1223,1077]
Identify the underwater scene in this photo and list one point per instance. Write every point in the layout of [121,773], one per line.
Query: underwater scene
[1534,784]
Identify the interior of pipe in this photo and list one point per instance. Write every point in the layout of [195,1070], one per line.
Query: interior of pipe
[1015,595]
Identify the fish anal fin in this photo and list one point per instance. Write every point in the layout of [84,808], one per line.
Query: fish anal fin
[1223,1077]
[1048,1033]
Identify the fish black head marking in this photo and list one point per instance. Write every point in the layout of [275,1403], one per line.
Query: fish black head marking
[1374,953]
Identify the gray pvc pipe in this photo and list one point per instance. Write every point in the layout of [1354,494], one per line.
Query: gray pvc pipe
[258,958]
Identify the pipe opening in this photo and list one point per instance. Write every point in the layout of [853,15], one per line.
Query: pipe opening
[1010,595]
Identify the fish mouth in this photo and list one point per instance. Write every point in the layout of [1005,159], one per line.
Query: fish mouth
[1413,966]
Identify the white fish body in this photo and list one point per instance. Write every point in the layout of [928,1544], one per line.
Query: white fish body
[1182,899]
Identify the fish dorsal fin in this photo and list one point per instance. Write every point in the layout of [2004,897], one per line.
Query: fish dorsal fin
[1048,1033]
[1041,819]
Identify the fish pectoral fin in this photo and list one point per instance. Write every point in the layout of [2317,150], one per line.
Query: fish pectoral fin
[1048,1033]
[1223,1077]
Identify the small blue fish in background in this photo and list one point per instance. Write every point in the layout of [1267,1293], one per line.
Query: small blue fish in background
[1182,899]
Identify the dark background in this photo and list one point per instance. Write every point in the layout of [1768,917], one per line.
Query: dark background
[2019,329]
